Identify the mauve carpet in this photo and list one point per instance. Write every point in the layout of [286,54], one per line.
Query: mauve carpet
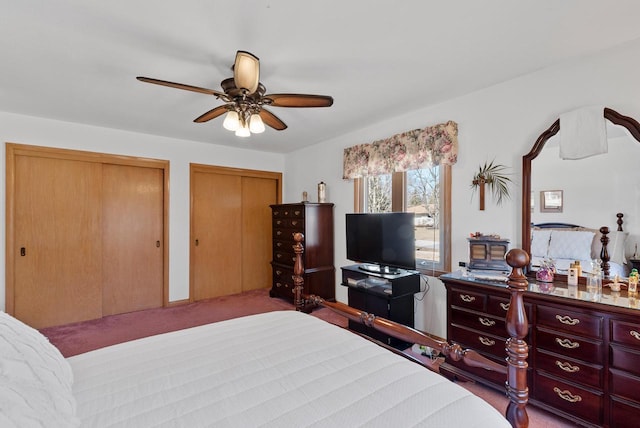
[77,338]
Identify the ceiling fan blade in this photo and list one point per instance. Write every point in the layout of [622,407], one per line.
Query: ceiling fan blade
[181,86]
[212,114]
[246,71]
[272,120]
[299,100]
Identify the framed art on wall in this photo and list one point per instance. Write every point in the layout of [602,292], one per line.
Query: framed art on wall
[551,201]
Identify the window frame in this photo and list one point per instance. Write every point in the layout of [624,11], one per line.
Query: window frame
[398,193]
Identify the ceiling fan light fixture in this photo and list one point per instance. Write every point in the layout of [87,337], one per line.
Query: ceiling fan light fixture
[256,125]
[231,121]
[246,71]
[243,131]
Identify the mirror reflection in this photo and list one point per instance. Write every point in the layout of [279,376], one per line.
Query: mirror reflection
[594,190]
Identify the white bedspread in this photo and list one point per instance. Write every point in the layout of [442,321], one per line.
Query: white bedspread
[278,369]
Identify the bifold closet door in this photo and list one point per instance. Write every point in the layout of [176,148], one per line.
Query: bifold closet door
[58,273]
[132,225]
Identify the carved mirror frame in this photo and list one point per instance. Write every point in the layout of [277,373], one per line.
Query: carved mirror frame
[613,116]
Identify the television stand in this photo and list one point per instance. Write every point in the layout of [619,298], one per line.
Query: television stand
[388,270]
[383,294]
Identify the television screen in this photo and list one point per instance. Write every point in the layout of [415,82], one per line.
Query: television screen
[386,240]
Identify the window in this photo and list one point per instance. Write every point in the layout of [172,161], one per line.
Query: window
[425,192]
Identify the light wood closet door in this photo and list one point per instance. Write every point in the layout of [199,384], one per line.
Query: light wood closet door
[257,194]
[231,229]
[58,274]
[132,256]
[217,235]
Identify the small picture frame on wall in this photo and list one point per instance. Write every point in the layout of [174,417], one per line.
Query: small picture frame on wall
[551,201]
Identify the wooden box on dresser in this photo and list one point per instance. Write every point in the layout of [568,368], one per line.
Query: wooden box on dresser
[315,221]
[584,351]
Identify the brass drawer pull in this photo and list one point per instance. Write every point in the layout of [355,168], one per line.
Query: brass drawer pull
[566,395]
[486,341]
[278,222]
[567,320]
[504,306]
[486,322]
[278,272]
[278,284]
[567,367]
[635,334]
[566,343]
[297,213]
[294,222]
[466,298]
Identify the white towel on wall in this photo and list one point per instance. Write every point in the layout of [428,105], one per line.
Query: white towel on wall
[583,133]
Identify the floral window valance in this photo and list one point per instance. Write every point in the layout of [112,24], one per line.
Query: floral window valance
[419,148]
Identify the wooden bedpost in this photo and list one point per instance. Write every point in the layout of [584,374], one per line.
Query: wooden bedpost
[517,349]
[604,252]
[298,271]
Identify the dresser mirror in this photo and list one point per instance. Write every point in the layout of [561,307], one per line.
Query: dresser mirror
[594,188]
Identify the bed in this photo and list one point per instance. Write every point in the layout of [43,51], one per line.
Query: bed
[277,369]
[565,243]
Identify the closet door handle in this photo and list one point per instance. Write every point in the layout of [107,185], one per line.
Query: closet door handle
[23,251]
[158,244]
[197,242]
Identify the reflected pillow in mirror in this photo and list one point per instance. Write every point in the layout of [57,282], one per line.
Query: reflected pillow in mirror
[540,242]
[571,244]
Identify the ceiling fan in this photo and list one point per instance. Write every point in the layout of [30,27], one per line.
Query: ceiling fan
[245,98]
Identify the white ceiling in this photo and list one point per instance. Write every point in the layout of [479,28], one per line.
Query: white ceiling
[76,60]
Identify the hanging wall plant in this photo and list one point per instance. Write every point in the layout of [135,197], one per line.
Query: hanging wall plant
[495,178]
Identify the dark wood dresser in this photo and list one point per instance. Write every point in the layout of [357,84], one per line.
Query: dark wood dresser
[584,355]
[315,221]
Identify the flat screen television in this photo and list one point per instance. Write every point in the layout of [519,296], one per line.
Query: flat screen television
[383,242]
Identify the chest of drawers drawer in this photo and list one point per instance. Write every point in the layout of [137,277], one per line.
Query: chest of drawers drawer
[569,369]
[568,321]
[479,341]
[625,333]
[571,346]
[625,359]
[573,400]
[468,299]
[481,322]
[624,385]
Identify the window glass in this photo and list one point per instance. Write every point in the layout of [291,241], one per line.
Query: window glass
[423,192]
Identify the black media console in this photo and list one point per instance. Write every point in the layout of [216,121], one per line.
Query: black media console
[387,295]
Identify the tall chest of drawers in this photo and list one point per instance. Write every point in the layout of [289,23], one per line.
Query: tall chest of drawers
[584,356]
[315,221]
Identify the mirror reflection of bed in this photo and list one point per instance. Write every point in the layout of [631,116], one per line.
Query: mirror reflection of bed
[595,189]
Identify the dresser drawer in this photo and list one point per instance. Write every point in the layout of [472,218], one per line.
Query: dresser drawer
[294,211]
[570,346]
[569,321]
[579,402]
[626,333]
[569,369]
[624,414]
[625,359]
[468,299]
[283,281]
[478,341]
[296,224]
[285,257]
[624,385]
[479,322]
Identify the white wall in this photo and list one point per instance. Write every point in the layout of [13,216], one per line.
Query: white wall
[42,132]
[502,123]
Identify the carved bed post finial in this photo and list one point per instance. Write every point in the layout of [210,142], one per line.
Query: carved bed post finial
[604,253]
[516,347]
[298,271]
[620,221]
